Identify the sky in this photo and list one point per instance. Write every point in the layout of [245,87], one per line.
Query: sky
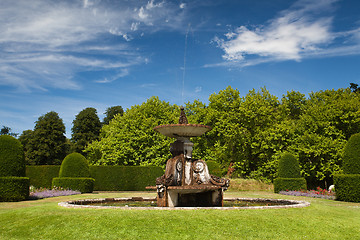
[65,56]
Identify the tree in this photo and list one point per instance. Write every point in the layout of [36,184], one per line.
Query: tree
[86,128]
[7,131]
[46,145]
[111,112]
[354,87]
[131,140]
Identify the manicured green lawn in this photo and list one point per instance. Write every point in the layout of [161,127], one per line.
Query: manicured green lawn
[44,219]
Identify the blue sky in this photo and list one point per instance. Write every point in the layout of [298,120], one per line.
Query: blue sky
[65,56]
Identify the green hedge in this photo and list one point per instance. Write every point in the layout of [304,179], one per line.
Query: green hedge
[291,184]
[351,157]
[84,185]
[124,178]
[288,166]
[215,168]
[347,187]
[14,189]
[42,176]
[107,178]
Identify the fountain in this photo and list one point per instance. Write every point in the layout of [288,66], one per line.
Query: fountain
[187,181]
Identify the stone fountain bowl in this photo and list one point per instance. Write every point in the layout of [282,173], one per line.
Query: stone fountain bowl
[182,130]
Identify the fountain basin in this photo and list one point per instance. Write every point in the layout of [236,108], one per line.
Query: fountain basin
[182,130]
[230,204]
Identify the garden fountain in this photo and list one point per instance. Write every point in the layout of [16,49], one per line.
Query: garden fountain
[187,181]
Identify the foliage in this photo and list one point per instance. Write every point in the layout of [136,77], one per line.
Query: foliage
[41,176]
[131,140]
[84,185]
[39,193]
[46,145]
[74,165]
[86,128]
[288,166]
[215,168]
[293,184]
[7,131]
[351,157]
[111,112]
[124,178]
[12,161]
[347,187]
[14,189]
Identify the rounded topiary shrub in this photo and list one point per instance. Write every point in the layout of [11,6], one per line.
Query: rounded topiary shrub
[74,165]
[289,177]
[14,186]
[214,168]
[12,159]
[347,185]
[74,174]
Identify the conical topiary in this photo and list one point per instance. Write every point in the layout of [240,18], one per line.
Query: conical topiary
[14,186]
[289,177]
[288,166]
[351,157]
[347,185]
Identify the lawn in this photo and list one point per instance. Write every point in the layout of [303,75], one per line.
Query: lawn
[44,219]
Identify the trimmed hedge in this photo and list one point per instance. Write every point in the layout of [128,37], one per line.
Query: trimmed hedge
[289,175]
[14,189]
[74,165]
[12,158]
[347,187]
[288,167]
[42,175]
[291,184]
[124,178]
[107,178]
[351,157]
[84,185]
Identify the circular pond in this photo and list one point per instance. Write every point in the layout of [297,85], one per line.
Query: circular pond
[150,203]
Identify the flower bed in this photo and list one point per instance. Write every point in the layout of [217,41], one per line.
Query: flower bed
[318,193]
[39,193]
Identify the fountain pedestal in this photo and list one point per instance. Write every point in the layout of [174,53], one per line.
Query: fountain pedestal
[187,181]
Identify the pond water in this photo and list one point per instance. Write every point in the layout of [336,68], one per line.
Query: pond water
[150,203]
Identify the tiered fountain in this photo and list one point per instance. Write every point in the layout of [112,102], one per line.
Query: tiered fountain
[187,181]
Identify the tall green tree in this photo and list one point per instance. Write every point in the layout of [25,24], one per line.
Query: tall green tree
[7,131]
[131,140]
[46,145]
[86,128]
[111,112]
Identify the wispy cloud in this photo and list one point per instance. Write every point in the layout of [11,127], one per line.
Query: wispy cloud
[46,43]
[302,31]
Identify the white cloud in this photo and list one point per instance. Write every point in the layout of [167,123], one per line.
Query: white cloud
[198,89]
[182,5]
[303,30]
[46,43]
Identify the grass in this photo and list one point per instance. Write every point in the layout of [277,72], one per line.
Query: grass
[44,219]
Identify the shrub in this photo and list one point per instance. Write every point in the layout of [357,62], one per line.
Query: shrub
[14,186]
[14,189]
[288,166]
[124,178]
[291,184]
[74,165]
[347,187]
[84,185]
[351,157]
[12,159]
[74,174]
[41,176]
[289,175]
